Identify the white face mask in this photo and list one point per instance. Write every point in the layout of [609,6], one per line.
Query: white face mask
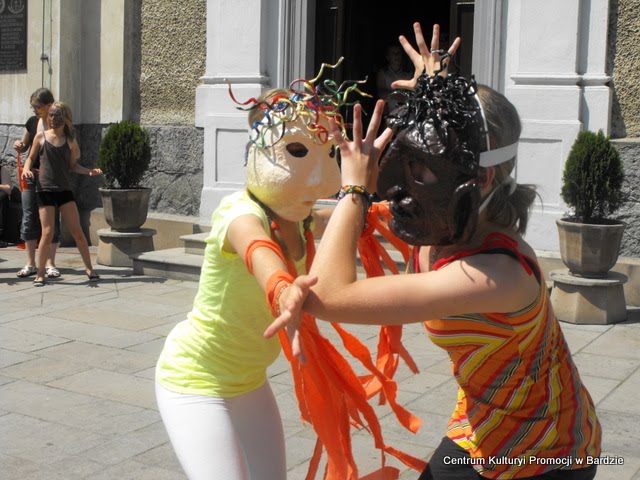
[291,175]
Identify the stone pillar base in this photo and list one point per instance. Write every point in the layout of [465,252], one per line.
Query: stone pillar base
[588,301]
[114,247]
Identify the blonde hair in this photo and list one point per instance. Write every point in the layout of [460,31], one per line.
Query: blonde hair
[505,208]
[67,118]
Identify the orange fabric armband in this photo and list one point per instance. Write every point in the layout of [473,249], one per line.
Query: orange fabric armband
[260,243]
[276,284]
[21,181]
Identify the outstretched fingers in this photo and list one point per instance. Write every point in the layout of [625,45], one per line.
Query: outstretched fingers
[296,345]
[435,35]
[357,125]
[425,59]
[377,143]
[376,119]
[291,315]
[382,140]
[454,46]
[336,133]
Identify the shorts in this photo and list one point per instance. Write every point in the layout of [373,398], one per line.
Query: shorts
[55,199]
[30,229]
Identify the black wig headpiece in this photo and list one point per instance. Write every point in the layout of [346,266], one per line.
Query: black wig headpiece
[449,105]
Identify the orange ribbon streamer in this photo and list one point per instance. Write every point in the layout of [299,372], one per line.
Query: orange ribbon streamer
[21,181]
[374,259]
[332,398]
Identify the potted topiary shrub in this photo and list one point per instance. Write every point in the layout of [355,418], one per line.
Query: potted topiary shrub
[124,157]
[592,187]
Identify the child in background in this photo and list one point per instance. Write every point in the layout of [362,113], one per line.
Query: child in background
[60,154]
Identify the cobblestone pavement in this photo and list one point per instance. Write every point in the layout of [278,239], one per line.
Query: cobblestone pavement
[76,380]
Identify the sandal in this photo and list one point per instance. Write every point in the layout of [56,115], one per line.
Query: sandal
[93,276]
[52,272]
[39,282]
[27,271]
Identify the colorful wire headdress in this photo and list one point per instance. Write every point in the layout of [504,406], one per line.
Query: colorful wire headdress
[308,100]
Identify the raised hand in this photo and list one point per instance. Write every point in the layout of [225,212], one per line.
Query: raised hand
[360,156]
[424,59]
[291,307]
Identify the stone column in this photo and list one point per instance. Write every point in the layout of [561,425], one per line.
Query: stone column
[254,44]
[597,94]
[236,51]
[554,74]
[88,58]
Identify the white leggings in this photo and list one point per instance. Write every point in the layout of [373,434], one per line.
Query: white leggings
[239,438]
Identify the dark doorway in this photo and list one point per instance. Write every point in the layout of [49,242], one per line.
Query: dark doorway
[361,33]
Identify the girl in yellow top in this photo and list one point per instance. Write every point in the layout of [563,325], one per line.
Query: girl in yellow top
[211,383]
[522,410]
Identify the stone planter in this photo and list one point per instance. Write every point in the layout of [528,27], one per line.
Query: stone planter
[589,250]
[125,210]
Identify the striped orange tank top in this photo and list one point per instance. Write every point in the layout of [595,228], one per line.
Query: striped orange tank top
[522,409]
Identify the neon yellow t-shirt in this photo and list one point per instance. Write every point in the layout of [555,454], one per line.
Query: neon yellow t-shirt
[219,350]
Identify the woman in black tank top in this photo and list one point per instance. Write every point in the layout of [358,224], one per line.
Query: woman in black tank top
[40,100]
[60,154]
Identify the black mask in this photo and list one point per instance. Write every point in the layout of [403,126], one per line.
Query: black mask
[429,173]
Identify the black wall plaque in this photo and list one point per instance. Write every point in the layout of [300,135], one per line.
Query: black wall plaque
[13,35]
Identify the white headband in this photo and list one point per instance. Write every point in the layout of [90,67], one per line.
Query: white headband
[484,122]
[489,158]
[499,155]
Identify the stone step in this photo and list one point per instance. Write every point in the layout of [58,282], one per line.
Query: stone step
[185,263]
[195,243]
[172,263]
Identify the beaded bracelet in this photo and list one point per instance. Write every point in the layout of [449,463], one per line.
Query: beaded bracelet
[278,282]
[279,290]
[358,190]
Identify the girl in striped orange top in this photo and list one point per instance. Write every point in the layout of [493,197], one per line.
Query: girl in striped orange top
[522,410]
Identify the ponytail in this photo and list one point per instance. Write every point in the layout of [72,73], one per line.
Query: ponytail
[511,209]
[508,207]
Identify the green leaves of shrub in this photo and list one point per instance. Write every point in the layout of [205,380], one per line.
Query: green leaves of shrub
[592,178]
[124,154]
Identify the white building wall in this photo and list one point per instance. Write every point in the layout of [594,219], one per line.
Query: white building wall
[554,73]
[16,88]
[546,56]
[82,43]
